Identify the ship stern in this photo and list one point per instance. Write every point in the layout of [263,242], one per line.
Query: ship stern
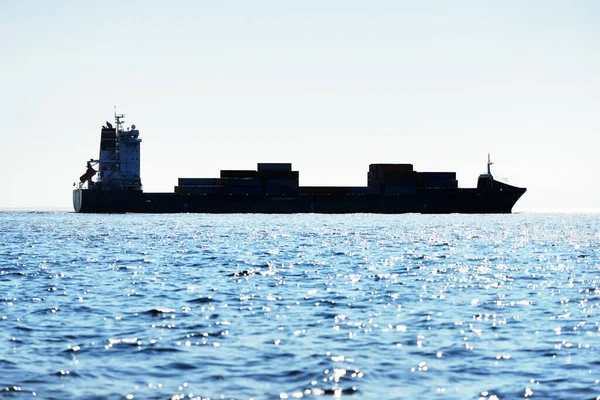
[77,200]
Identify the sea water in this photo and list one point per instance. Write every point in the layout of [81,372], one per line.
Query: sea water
[298,306]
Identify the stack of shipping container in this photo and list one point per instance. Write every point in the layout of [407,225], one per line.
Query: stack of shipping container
[402,179]
[198,186]
[438,180]
[393,178]
[241,182]
[269,178]
[278,179]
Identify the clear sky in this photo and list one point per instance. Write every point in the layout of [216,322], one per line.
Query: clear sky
[330,86]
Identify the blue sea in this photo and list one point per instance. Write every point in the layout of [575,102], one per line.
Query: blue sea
[299,306]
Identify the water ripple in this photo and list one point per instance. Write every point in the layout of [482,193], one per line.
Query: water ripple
[298,306]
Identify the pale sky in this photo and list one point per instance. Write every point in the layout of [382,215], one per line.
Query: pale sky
[329,85]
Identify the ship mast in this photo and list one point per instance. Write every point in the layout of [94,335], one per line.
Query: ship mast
[119,122]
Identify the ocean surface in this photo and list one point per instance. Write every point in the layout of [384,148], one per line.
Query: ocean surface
[299,306]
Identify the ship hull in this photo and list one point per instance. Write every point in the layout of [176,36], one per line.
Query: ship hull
[433,201]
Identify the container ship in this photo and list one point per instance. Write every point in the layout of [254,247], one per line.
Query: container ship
[112,184]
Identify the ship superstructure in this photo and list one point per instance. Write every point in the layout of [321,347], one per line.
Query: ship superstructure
[275,188]
[119,159]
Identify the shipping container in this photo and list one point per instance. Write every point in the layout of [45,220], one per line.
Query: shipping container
[273,190]
[241,182]
[244,190]
[391,168]
[401,182]
[441,176]
[395,190]
[198,189]
[198,181]
[239,173]
[274,167]
[324,190]
[279,174]
[374,181]
[392,175]
[447,184]
[282,182]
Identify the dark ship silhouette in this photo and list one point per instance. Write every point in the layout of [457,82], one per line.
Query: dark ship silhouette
[274,188]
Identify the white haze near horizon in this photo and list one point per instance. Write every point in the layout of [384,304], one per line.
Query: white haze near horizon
[330,86]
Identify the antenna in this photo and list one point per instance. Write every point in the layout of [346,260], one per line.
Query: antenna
[119,120]
[490,163]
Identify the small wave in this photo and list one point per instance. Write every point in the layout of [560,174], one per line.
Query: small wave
[155,312]
[336,392]
[14,388]
[24,328]
[180,366]
[247,272]
[73,349]
[158,350]
[202,300]
[51,310]
[66,373]
[131,341]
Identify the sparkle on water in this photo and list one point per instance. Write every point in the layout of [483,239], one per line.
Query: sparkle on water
[258,306]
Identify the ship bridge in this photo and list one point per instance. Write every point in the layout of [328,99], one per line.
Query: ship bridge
[119,159]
